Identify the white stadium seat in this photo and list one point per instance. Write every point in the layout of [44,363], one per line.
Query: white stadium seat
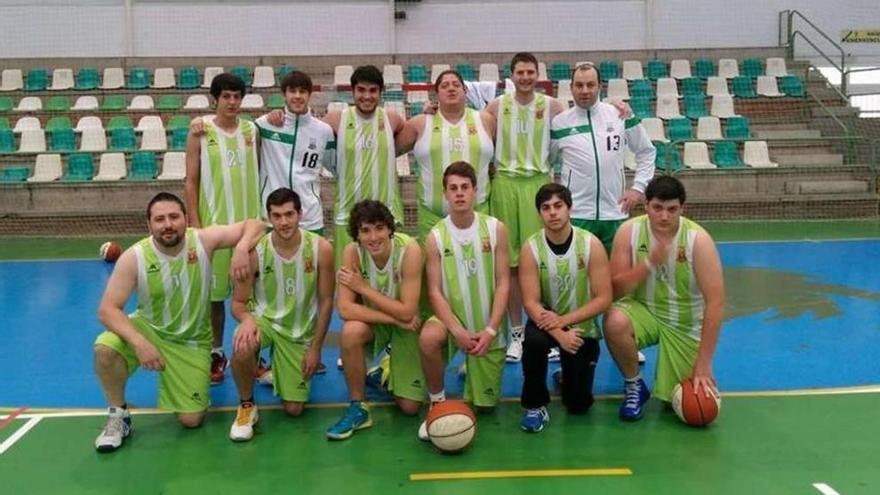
[696,156]
[489,73]
[728,68]
[197,102]
[666,86]
[717,86]
[709,129]
[93,139]
[680,68]
[173,166]
[655,129]
[264,77]
[342,75]
[114,78]
[111,167]
[776,67]
[32,141]
[141,102]
[47,168]
[722,107]
[618,89]
[632,70]
[766,86]
[62,79]
[11,80]
[154,139]
[85,104]
[756,155]
[210,73]
[163,78]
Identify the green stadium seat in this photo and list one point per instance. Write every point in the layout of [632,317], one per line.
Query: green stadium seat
[393,95]
[59,122]
[725,155]
[679,129]
[178,122]
[37,80]
[244,73]
[505,71]
[58,104]
[641,107]
[792,86]
[15,174]
[416,73]
[743,87]
[468,71]
[703,68]
[275,101]
[7,141]
[80,167]
[6,104]
[138,78]
[4,123]
[655,69]
[641,87]
[751,67]
[668,157]
[695,106]
[691,86]
[143,166]
[559,71]
[122,138]
[283,70]
[609,69]
[87,79]
[178,137]
[189,78]
[169,103]
[62,139]
[113,103]
[120,122]
[738,128]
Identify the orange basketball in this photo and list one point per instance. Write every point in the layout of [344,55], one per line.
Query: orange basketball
[452,426]
[694,409]
[110,251]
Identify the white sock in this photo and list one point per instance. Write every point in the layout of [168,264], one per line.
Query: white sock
[633,379]
[438,397]
[217,350]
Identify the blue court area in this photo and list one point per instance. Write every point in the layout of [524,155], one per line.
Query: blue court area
[800,315]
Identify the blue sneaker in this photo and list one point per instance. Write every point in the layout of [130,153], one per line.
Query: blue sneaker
[356,417]
[636,395]
[533,420]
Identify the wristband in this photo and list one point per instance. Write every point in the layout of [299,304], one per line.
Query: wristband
[491,331]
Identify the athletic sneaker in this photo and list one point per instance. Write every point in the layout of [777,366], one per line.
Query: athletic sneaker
[379,375]
[534,420]
[264,373]
[515,348]
[641,358]
[339,363]
[118,427]
[553,355]
[356,417]
[219,363]
[321,369]
[423,432]
[242,428]
[636,394]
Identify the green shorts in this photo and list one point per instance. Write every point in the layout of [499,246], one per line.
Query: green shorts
[677,353]
[407,379]
[428,219]
[603,229]
[221,285]
[184,383]
[513,202]
[287,363]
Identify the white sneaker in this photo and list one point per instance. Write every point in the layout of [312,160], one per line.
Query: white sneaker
[423,432]
[553,355]
[339,363]
[118,427]
[641,358]
[515,348]
[242,428]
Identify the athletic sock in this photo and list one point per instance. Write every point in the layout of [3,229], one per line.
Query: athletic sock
[248,401]
[218,351]
[634,379]
[438,397]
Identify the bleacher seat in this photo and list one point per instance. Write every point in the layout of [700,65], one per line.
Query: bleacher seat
[58,104]
[47,168]
[695,106]
[188,77]
[111,167]
[15,174]
[725,155]
[417,97]
[178,138]
[141,102]
[696,156]
[416,73]
[138,78]
[338,106]
[174,164]
[609,69]
[776,67]
[738,128]
[505,71]
[264,77]
[559,70]
[244,73]
[36,80]
[709,129]
[679,129]
[5,103]
[656,69]
[743,88]
[717,86]
[751,67]
[542,72]
[680,69]
[489,73]
[62,80]
[62,140]
[80,167]
[4,123]
[641,87]
[59,122]
[210,73]
[143,166]
[792,86]
[89,122]
[667,107]
[149,122]
[87,79]
[169,103]
[692,86]
[93,139]
[666,86]
[722,107]
[85,104]
[123,139]
[113,103]
[632,70]
[197,102]
[728,68]
[668,157]
[178,122]
[393,75]
[766,86]
[252,101]
[120,122]
[29,104]
[655,129]
[32,141]
[114,78]
[283,70]
[704,68]
[154,139]
[342,75]
[563,93]
[618,89]
[11,80]
[468,71]
[26,123]
[395,106]
[7,141]
[163,78]
[275,101]
[756,155]
[641,107]
[436,69]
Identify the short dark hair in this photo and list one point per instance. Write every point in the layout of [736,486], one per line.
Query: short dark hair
[586,66]
[523,57]
[165,196]
[281,196]
[226,82]
[367,74]
[445,73]
[547,192]
[369,211]
[665,188]
[296,79]
[461,169]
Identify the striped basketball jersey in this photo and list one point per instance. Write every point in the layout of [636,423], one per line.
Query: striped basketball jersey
[522,137]
[671,292]
[286,290]
[365,163]
[443,143]
[173,291]
[388,278]
[228,184]
[467,259]
[565,279]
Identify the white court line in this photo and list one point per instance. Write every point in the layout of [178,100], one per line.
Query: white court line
[825,489]
[9,442]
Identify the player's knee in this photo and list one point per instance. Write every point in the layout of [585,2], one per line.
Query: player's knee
[354,334]
[408,407]
[191,420]
[247,355]
[105,357]
[293,408]
[616,324]
[432,338]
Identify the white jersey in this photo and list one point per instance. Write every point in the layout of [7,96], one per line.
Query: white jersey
[292,156]
[590,144]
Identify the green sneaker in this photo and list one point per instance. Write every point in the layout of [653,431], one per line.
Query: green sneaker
[356,417]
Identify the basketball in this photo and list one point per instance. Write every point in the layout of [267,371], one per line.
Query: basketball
[694,409]
[452,426]
[110,251]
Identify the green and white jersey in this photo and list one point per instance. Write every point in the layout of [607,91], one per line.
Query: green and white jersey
[365,163]
[443,143]
[671,292]
[286,290]
[467,259]
[173,291]
[228,185]
[565,279]
[522,138]
[388,278]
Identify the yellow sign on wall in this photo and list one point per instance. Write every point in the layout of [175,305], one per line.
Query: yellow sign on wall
[860,36]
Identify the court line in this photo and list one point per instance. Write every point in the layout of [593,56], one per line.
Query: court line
[803,241]
[9,442]
[825,489]
[11,417]
[530,473]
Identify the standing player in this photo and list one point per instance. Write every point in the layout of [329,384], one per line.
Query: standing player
[291,284]
[221,189]
[168,332]
[565,283]
[667,272]
[468,286]
[452,133]
[379,285]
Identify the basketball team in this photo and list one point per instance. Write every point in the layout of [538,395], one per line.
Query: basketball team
[522,206]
